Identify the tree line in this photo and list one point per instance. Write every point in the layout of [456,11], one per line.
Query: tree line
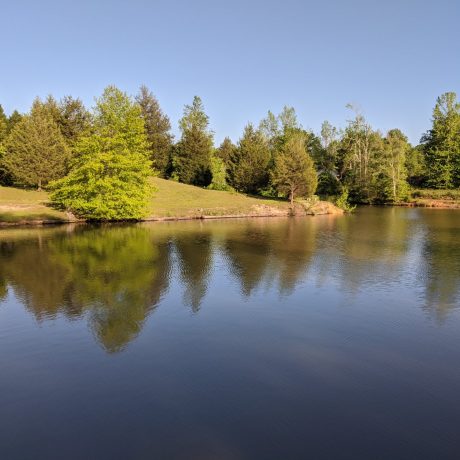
[97,163]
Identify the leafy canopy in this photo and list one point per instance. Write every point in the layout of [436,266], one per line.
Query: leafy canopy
[109,176]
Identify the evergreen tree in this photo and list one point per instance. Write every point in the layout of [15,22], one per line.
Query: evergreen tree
[109,176]
[4,176]
[35,150]
[226,151]
[157,129]
[13,120]
[74,120]
[250,161]
[3,125]
[293,172]
[442,143]
[192,158]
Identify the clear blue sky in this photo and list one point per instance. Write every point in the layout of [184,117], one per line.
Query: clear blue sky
[392,58]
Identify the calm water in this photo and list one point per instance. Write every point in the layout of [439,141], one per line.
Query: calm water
[322,338]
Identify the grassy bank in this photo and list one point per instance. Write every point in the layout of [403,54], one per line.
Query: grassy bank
[172,200]
[432,198]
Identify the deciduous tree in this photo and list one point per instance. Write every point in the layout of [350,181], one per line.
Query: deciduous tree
[109,176]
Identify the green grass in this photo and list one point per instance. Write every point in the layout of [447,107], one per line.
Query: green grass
[433,194]
[173,199]
[17,205]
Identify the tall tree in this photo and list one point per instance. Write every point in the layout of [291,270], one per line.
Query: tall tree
[325,156]
[249,164]
[360,147]
[157,129]
[74,120]
[394,165]
[192,156]
[13,120]
[3,125]
[109,176]
[415,166]
[442,143]
[225,151]
[36,151]
[294,173]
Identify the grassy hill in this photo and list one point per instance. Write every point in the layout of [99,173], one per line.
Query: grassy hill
[171,200]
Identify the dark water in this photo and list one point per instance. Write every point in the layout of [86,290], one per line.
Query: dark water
[321,338]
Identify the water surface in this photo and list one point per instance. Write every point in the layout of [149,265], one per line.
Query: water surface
[324,338]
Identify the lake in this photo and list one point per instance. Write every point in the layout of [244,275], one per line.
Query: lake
[327,337]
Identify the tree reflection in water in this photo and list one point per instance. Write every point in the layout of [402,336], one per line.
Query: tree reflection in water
[116,275]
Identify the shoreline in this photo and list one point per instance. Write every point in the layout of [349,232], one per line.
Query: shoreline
[321,208]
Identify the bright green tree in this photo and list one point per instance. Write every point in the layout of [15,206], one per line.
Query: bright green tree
[250,161]
[35,150]
[192,155]
[442,143]
[109,176]
[157,129]
[219,174]
[294,173]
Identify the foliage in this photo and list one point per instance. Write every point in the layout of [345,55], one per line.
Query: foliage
[248,170]
[416,167]
[13,120]
[35,151]
[226,151]
[109,177]
[219,174]
[192,155]
[74,119]
[395,186]
[343,202]
[157,130]
[294,173]
[325,156]
[3,125]
[442,143]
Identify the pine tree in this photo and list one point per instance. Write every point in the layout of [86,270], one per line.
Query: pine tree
[74,120]
[192,156]
[157,129]
[109,176]
[294,172]
[225,151]
[249,163]
[3,125]
[13,120]
[35,150]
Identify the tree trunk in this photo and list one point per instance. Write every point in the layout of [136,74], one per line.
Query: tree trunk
[39,188]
